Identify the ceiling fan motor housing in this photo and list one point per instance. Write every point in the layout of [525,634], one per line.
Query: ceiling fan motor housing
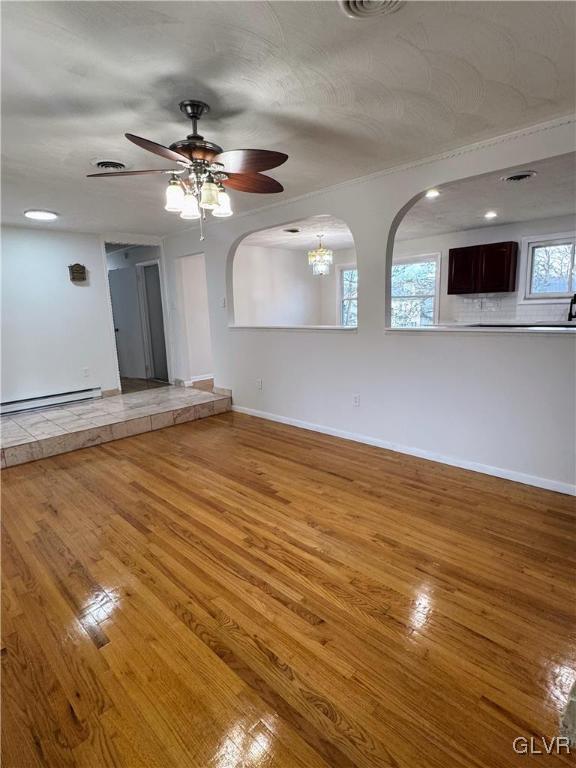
[194,146]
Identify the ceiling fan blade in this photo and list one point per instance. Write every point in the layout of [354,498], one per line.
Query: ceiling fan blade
[250,160]
[133,173]
[158,149]
[253,182]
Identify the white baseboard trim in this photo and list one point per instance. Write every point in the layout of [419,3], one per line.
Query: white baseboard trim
[190,382]
[486,469]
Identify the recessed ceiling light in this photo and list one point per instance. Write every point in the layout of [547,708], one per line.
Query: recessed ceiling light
[432,193]
[39,215]
[490,215]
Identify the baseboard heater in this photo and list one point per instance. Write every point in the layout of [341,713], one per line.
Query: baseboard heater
[44,401]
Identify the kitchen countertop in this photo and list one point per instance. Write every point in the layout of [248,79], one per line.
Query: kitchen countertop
[553,327]
[446,328]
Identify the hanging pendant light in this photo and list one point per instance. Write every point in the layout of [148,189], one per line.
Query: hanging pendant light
[190,208]
[224,207]
[174,196]
[320,258]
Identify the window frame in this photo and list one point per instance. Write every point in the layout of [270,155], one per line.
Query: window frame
[340,291]
[528,244]
[420,258]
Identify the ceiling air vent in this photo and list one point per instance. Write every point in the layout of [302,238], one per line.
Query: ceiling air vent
[366,9]
[519,176]
[110,165]
[292,230]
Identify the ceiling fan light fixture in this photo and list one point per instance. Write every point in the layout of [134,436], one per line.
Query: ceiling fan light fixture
[190,209]
[174,197]
[209,196]
[201,169]
[224,207]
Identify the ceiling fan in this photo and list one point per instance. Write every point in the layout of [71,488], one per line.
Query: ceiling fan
[204,169]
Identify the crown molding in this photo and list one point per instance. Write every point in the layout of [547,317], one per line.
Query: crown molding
[447,155]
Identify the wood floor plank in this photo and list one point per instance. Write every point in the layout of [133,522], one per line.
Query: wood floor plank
[236,592]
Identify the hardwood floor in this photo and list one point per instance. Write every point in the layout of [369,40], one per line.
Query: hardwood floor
[233,593]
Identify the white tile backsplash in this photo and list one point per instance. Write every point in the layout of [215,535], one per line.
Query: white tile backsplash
[493,308]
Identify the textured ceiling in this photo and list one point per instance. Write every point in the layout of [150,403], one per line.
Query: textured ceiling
[343,97]
[336,234]
[462,205]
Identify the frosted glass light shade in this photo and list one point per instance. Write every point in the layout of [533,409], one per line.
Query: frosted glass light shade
[224,208]
[209,196]
[190,208]
[174,197]
[320,268]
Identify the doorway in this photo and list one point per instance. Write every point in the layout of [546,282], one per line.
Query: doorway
[136,296]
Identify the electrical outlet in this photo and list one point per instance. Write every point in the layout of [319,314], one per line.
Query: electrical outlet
[86,372]
[258,383]
[223,302]
[356,401]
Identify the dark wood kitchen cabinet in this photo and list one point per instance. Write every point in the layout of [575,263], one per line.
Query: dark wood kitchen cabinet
[463,268]
[489,268]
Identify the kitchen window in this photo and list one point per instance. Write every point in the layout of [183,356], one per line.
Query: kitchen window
[415,291]
[348,296]
[551,268]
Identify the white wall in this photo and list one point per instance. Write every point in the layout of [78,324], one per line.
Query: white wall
[275,286]
[53,329]
[132,255]
[502,402]
[193,300]
[497,307]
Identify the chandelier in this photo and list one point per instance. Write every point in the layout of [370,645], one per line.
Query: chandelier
[320,258]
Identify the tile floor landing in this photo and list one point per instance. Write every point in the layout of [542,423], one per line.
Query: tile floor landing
[37,434]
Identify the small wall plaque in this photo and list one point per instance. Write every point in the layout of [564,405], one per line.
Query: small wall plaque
[78,273]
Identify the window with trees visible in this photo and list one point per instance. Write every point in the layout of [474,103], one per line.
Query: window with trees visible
[551,268]
[415,292]
[349,296]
